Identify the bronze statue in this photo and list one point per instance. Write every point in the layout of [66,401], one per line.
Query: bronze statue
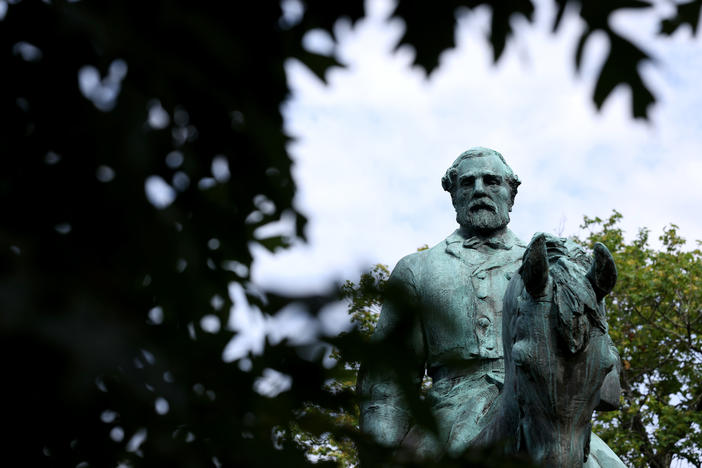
[456,335]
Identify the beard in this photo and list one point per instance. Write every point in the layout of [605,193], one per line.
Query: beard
[484,220]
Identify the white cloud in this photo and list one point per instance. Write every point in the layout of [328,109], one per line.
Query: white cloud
[372,145]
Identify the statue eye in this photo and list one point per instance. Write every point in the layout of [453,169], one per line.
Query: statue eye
[467,181]
[492,180]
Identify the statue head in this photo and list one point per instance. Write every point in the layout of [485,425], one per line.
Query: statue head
[482,188]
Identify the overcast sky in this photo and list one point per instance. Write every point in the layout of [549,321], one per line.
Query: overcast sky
[373,144]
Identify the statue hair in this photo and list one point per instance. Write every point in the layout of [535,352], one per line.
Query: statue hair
[448,181]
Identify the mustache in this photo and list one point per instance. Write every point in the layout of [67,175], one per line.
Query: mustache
[482,204]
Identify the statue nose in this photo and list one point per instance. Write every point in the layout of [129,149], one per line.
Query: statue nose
[479,186]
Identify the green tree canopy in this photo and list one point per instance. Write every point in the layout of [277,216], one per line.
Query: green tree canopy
[655,318]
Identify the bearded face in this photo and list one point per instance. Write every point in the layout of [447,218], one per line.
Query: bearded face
[482,197]
[482,215]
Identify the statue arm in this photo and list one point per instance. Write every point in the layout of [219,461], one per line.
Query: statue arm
[384,412]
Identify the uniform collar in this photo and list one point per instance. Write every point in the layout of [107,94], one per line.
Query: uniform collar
[458,245]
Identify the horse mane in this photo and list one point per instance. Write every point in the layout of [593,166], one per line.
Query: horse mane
[573,296]
[552,310]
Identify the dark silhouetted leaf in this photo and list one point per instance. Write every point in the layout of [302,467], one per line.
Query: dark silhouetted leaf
[580,48]
[621,67]
[318,64]
[686,13]
[429,29]
[274,243]
[500,28]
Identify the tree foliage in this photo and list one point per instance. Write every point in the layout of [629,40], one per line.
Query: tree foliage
[655,318]
[365,300]
[430,31]
[142,149]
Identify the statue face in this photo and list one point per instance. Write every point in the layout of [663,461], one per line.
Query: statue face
[482,197]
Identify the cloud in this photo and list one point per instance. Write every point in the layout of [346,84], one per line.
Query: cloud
[372,145]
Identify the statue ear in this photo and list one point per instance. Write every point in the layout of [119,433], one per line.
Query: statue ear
[603,272]
[534,271]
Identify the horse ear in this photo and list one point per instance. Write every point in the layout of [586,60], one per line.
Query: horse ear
[603,272]
[534,271]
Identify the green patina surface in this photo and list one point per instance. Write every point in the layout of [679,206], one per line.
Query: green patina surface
[451,317]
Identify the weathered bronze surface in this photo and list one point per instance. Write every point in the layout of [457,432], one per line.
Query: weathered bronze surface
[553,337]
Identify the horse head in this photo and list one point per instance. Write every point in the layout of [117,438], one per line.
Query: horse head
[557,348]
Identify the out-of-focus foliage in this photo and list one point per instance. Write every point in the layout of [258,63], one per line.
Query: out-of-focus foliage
[365,300]
[655,318]
[141,149]
[430,31]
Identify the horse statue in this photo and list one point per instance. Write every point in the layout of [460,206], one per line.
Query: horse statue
[557,353]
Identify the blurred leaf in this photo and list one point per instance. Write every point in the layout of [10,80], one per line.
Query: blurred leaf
[686,13]
[318,64]
[500,27]
[429,29]
[274,243]
[621,67]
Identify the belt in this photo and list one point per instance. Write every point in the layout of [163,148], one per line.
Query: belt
[468,367]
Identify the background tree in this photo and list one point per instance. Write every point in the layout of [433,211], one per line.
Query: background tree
[142,148]
[655,318]
[365,300]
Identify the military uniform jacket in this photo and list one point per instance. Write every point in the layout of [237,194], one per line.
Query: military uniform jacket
[459,285]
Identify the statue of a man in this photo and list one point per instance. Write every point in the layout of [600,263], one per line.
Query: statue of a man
[458,287]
